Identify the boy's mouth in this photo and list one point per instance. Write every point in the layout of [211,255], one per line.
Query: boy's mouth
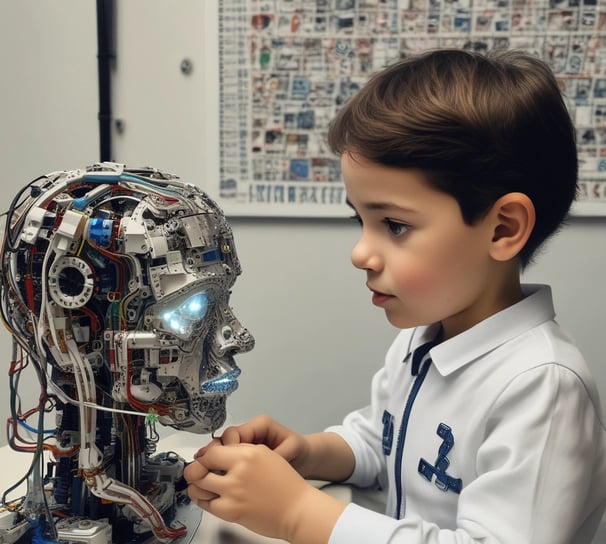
[379,298]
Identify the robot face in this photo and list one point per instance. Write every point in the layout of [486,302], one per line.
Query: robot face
[127,274]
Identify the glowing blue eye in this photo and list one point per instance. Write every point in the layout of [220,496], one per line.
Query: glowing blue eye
[184,319]
[195,307]
[176,325]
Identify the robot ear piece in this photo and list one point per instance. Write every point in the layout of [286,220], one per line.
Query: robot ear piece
[71,282]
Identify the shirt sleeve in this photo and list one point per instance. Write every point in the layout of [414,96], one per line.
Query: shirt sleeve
[541,473]
[360,429]
[363,429]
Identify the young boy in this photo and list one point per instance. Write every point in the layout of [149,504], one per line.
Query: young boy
[485,423]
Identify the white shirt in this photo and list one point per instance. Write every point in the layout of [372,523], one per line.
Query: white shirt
[498,438]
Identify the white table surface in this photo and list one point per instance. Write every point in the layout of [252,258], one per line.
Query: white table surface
[211,530]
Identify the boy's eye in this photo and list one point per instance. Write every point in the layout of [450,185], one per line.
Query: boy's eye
[396,228]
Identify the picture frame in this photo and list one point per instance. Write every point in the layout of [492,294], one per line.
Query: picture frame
[285,68]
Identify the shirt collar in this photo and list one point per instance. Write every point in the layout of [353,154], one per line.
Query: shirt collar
[535,308]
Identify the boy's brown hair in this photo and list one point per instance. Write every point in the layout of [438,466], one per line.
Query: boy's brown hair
[480,126]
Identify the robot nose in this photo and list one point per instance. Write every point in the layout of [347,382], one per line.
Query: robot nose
[235,340]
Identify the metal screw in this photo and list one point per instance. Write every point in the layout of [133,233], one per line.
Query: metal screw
[186,66]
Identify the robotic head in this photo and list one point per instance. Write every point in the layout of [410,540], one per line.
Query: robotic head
[125,275]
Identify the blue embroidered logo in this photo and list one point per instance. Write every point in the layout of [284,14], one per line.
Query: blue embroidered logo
[387,432]
[443,481]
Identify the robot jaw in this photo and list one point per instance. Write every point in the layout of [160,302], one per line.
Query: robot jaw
[155,375]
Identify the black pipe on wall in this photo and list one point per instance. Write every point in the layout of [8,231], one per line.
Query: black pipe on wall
[105,58]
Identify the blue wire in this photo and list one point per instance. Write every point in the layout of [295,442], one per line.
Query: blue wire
[34,430]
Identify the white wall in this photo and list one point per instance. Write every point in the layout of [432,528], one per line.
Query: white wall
[319,340]
[48,112]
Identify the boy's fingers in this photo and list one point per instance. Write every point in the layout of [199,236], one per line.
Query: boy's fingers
[211,486]
[231,436]
[197,494]
[200,452]
[204,504]
[249,433]
[195,471]
[212,444]
[218,459]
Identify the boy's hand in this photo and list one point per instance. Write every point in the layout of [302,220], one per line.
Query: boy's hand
[263,430]
[256,487]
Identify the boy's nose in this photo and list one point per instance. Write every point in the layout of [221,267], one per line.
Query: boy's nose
[364,256]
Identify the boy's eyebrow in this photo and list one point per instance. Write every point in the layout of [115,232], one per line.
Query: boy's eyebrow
[386,206]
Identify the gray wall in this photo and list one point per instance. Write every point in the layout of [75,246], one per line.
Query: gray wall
[319,340]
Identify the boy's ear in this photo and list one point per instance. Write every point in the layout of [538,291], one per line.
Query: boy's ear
[513,218]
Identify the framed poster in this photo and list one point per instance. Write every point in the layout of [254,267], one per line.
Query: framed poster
[286,66]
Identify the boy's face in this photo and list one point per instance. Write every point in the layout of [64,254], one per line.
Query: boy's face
[423,263]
